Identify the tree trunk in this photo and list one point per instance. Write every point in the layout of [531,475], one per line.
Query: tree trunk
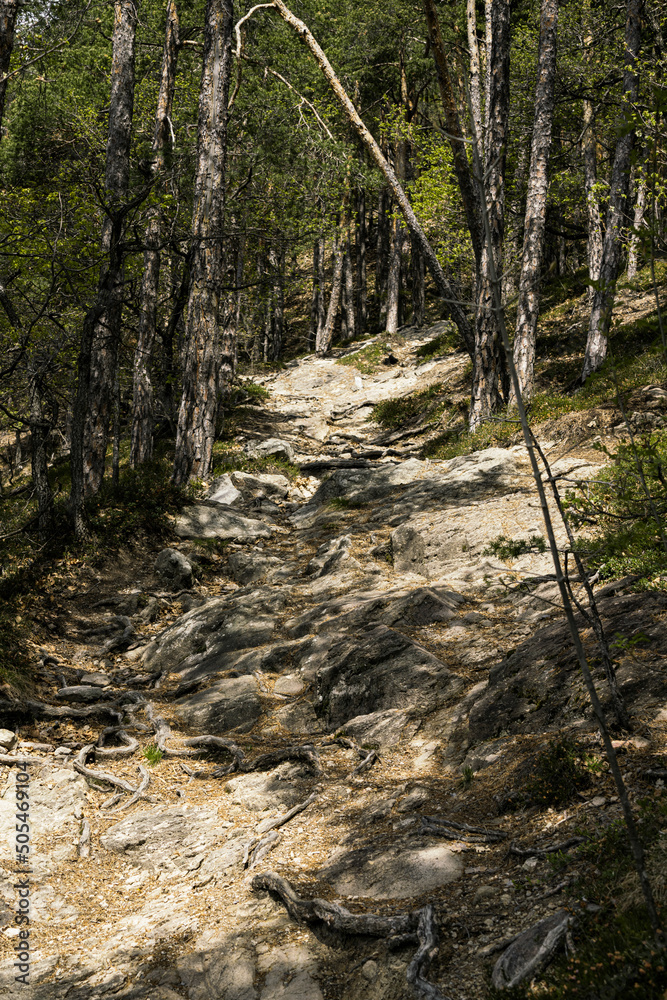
[603,296]
[418,291]
[589,157]
[475,77]
[8,11]
[382,251]
[394,278]
[39,432]
[536,200]
[489,380]
[115,434]
[98,353]
[105,334]
[638,221]
[141,446]
[315,298]
[201,356]
[323,344]
[350,310]
[445,289]
[166,367]
[513,245]
[362,288]
[276,262]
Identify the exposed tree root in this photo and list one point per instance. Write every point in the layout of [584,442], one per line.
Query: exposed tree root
[40,708]
[273,824]
[98,777]
[138,794]
[83,847]
[435,827]
[419,925]
[6,758]
[540,851]
[114,753]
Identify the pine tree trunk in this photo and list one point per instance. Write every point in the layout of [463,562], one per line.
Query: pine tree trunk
[394,278]
[201,355]
[637,222]
[323,344]
[141,441]
[536,200]
[610,263]
[98,353]
[166,366]
[362,288]
[8,11]
[589,157]
[475,77]
[418,290]
[489,380]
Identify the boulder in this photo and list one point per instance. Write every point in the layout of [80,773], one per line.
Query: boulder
[378,670]
[223,491]
[8,739]
[272,447]
[228,704]
[252,567]
[408,550]
[83,693]
[403,872]
[261,484]
[275,789]
[158,838]
[531,951]
[174,569]
[216,521]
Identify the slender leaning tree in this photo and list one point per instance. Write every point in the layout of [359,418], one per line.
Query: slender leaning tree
[208,343]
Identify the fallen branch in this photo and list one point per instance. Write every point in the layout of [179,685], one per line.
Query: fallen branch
[449,830]
[143,785]
[366,764]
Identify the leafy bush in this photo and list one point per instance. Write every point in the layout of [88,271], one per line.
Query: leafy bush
[629,537]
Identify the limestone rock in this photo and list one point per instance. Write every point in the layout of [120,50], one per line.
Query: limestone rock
[332,557]
[408,550]
[252,567]
[157,837]
[223,491]
[272,447]
[400,873]
[225,705]
[268,790]
[215,521]
[7,739]
[262,484]
[174,569]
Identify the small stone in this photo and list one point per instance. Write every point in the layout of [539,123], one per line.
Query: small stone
[7,739]
[369,971]
[530,863]
[598,801]
[174,569]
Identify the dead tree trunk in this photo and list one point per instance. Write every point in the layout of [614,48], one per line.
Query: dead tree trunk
[8,11]
[141,446]
[536,200]
[603,296]
[100,337]
[203,344]
[489,380]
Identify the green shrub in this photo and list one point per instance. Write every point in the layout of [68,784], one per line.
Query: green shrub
[139,504]
[444,343]
[429,403]
[368,359]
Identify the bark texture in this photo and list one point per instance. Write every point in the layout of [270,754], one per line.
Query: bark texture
[637,223]
[536,200]
[362,285]
[8,11]
[610,263]
[394,278]
[489,381]
[209,331]
[589,158]
[141,446]
[325,337]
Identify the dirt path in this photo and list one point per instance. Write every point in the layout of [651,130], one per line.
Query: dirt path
[378,689]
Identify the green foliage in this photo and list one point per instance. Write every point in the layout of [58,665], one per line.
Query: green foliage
[629,539]
[512,548]
[467,776]
[152,754]
[444,343]
[140,504]
[228,458]
[553,776]
[368,359]
[428,403]
[14,664]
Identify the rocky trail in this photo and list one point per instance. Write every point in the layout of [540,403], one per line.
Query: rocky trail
[296,765]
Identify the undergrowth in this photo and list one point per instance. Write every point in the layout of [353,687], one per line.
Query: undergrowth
[429,404]
[369,359]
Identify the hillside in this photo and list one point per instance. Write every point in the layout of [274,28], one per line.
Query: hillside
[325,683]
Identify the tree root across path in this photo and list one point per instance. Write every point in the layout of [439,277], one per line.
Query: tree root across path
[401,928]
